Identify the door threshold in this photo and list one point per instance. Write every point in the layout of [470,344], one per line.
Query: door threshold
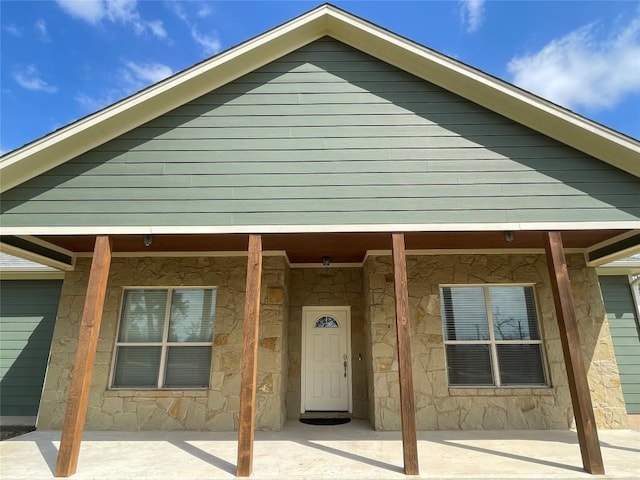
[325,414]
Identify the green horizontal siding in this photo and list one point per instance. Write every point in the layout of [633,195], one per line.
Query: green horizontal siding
[554,155]
[612,192]
[323,132]
[418,180]
[633,390]
[623,321]
[318,204]
[28,310]
[323,218]
[182,119]
[300,144]
[326,135]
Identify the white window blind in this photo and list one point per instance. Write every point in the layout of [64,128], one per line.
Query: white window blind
[165,338]
[491,336]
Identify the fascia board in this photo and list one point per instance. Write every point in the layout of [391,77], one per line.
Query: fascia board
[30,275]
[94,130]
[501,97]
[618,268]
[313,228]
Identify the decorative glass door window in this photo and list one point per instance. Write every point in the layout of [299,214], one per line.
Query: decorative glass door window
[164,338]
[491,336]
[326,322]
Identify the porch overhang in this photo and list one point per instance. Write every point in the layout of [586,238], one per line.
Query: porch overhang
[599,245]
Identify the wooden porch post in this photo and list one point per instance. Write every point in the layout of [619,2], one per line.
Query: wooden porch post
[249,367]
[407,400]
[85,358]
[573,358]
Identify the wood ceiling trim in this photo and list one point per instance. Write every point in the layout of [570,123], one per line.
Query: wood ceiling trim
[341,247]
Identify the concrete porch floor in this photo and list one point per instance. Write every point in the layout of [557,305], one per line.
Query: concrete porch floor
[299,451]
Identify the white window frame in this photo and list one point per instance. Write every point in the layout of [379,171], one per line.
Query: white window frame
[492,342]
[164,343]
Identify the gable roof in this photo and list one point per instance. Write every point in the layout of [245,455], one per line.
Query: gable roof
[512,102]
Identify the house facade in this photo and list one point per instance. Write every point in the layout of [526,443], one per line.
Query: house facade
[373,387]
[328,218]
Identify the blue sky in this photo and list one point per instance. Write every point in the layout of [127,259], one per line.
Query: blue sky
[61,60]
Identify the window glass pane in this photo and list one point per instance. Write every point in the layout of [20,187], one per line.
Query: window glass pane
[137,367]
[326,322]
[464,314]
[469,365]
[521,364]
[513,312]
[143,316]
[192,314]
[188,367]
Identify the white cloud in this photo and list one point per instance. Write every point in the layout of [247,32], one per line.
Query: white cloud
[143,74]
[91,11]
[204,11]
[13,30]
[209,42]
[41,30]
[123,12]
[28,77]
[93,104]
[130,79]
[472,14]
[157,28]
[582,70]
[178,11]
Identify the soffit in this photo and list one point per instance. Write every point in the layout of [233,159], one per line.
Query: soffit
[341,247]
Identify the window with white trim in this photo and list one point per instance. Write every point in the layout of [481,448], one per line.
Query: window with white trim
[165,337]
[492,336]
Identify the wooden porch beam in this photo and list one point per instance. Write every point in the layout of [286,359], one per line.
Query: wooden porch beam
[76,413]
[573,357]
[407,399]
[249,367]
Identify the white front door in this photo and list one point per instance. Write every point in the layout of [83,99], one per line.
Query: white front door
[326,356]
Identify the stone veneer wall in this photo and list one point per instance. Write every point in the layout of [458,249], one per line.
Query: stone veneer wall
[441,408]
[215,408]
[327,287]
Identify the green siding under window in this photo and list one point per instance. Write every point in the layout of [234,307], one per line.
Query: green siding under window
[326,135]
[623,322]
[28,311]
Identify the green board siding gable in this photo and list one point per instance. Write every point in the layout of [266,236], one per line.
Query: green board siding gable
[28,311]
[623,322]
[326,135]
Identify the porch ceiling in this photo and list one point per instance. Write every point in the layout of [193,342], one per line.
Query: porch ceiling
[341,247]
